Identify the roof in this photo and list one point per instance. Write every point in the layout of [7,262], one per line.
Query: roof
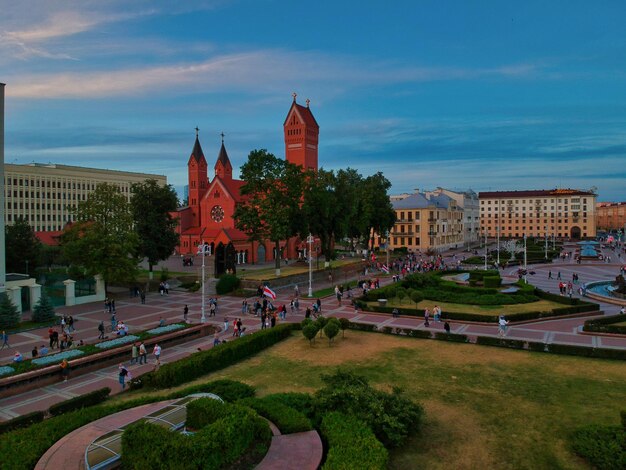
[49,238]
[235,234]
[232,186]
[197,152]
[420,201]
[533,193]
[304,113]
[223,157]
[197,230]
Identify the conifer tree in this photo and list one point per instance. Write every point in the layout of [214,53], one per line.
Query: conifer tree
[9,315]
[44,310]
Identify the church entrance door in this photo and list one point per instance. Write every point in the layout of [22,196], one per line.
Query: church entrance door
[260,254]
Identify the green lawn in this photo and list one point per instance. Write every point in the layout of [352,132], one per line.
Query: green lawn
[295,268]
[486,407]
[538,306]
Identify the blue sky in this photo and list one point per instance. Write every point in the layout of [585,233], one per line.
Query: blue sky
[488,95]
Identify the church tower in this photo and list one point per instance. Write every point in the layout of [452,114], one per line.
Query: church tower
[301,136]
[198,182]
[223,168]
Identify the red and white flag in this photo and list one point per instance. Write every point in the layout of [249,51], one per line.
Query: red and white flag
[385,269]
[269,293]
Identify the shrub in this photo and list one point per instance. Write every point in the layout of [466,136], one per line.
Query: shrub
[303,402]
[392,416]
[536,346]
[81,401]
[492,281]
[602,446]
[204,411]
[454,337]
[289,420]
[425,334]
[502,342]
[9,316]
[605,324]
[203,362]
[21,421]
[331,330]
[310,331]
[351,444]
[227,283]
[44,310]
[344,324]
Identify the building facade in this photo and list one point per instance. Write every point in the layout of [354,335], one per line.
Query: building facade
[208,218]
[611,215]
[426,222]
[562,213]
[44,194]
[468,202]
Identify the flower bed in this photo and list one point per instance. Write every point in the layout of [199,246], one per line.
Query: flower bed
[116,342]
[165,329]
[4,370]
[53,358]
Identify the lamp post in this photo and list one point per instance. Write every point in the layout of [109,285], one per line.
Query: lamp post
[310,241]
[485,249]
[202,251]
[546,243]
[387,246]
[498,236]
[525,264]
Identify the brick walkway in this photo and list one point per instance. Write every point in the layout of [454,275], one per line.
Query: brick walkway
[141,317]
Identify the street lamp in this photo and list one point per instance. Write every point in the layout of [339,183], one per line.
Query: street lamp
[310,241]
[498,236]
[485,249]
[525,262]
[546,243]
[203,249]
[387,246]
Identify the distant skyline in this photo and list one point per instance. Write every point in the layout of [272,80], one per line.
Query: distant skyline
[492,96]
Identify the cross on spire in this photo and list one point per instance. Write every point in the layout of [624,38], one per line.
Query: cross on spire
[294,94]
[307,102]
[222,134]
[197,130]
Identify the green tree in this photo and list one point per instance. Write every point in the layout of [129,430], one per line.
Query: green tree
[331,329]
[310,332]
[378,212]
[103,240]
[344,324]
[270,209]
[23,249]
[44,310]
[151,205]
[9,315]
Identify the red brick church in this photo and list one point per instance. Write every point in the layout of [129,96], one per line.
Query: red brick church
[208,216]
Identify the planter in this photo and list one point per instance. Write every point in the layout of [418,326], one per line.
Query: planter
[382,302]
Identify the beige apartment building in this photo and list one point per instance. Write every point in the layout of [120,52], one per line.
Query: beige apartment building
[426,221]
[43,194]
[563,213]
[611,215]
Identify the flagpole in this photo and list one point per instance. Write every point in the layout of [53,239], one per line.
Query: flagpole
[310,240]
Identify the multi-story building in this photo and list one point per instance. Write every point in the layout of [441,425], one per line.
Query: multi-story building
[426,222]
[563,213]
[44,194]
[611,215]
[467,201]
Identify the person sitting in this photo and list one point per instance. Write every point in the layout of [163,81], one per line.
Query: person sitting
[18,357]
[43,350]
[35,352]
[161,321]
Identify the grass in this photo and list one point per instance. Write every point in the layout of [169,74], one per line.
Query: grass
[331,290]
[486,407]
[622,323]
[538,306]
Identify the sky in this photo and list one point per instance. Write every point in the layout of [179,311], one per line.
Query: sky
[487,95]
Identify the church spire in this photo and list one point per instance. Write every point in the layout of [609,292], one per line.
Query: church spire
[223,168]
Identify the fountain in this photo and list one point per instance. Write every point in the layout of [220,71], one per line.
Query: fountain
[588,250]
[613,292]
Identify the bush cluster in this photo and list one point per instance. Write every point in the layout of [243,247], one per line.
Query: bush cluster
[503,342]
[224,438]
[604,447]
[22,421]
[351,444]
[227,390]
[227,283]
[606,325]
[204,362]
[286,418]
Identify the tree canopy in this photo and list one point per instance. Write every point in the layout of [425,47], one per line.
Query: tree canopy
[103,240]
[23,249]
[151,205]
[271,196]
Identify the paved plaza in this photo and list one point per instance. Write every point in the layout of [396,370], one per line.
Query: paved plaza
[170,307]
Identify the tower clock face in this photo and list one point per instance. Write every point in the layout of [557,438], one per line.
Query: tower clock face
[217,213]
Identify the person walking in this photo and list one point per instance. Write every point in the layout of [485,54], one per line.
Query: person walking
[426,317]
[502,326]
[143,297]
[123,374]
[446,327]
[143,359]
[157,354]
[134,354]
[225,324]
[65,370]
[101,330]
[185,313]
[5,340]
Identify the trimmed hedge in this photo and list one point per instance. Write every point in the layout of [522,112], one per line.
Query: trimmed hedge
[351,444]
[82,401]
[227,390]
[602,446]
[289,420]
[454,337]
[605,324]
[204,411]
[22,421]
[204,362]
[219,444]
[302,402]
[227,283]
[492,281]
[502,342]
